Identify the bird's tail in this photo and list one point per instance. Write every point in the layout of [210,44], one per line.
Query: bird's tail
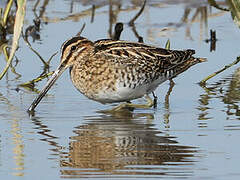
[186,65]
[199,60]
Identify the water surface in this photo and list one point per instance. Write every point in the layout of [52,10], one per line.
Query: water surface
[193,133]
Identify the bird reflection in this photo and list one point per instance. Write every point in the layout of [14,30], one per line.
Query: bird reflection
[115,144]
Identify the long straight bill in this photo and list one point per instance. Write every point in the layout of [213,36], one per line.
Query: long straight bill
[45,89]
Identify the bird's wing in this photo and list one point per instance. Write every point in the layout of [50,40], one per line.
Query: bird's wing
[139,54]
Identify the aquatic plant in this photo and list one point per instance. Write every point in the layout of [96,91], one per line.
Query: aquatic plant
[18,24]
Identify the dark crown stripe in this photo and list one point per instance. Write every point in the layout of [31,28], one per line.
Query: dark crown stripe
[72,40]
[105,44]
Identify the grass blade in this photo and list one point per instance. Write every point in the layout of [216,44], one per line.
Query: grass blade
[17,32]
[167,45]
[6,12]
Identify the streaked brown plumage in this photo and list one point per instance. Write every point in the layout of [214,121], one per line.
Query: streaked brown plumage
[116,71]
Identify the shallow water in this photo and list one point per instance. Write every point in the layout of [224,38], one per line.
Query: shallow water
[193,133]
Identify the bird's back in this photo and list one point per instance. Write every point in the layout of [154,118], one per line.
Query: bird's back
[149,60]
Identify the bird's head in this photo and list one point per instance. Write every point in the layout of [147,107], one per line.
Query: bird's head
[73,51]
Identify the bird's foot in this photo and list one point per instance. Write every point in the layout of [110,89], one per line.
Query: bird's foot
[130,106]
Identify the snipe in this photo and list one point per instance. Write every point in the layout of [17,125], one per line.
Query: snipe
[110,71]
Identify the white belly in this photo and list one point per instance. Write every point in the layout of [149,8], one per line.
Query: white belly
[125,93]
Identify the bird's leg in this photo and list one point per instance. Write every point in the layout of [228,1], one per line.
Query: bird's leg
[154,100]
[123,106]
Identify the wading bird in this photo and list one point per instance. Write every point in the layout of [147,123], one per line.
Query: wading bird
[111,71]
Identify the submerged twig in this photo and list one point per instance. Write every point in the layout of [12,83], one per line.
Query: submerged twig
[219,71]
[118,31]
[49,60]
[212,40]
[46,63]
[35,5]
[138,14]
[140,38]
[30,46]
[5,52]
[214,4]
[110,11]
[131,23]
[166,103]
[31,84]
[81,30]
[168,93]
[93,13]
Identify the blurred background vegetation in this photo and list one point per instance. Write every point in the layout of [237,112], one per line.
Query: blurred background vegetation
[12,14]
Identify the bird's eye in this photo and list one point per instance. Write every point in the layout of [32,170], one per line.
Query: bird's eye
[73,48]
